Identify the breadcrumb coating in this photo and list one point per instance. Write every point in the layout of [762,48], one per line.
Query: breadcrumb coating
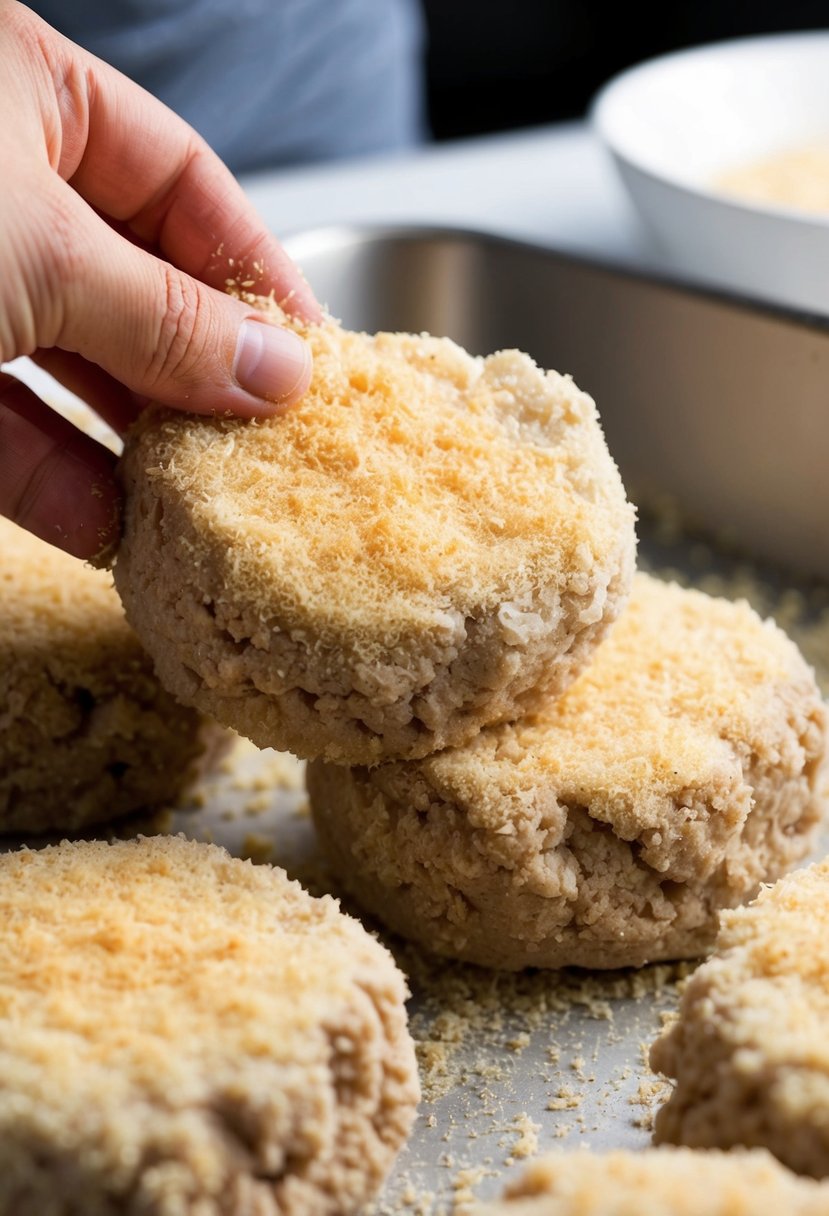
[607,828]
[404,556]
[185,1034]
[661,1182]
[794,177]
[86,732]
[749,1051]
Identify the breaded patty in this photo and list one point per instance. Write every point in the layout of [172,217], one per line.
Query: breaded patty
[608,828]
[185,1034]
[750,1050]
[663,1182]
[86,732]
[427,543]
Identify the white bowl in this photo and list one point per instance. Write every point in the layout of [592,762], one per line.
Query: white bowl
[676,123]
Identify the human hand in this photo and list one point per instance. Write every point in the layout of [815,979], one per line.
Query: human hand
[118,230]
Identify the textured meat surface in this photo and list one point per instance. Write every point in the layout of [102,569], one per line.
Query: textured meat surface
[87,733]
[749,1051]
[420,547]
[663,1182]
[185,1034]
[608,828]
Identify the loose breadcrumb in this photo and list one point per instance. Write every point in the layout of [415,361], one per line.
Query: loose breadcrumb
[793,177]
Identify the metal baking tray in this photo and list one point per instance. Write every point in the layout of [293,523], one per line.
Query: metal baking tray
[710,400]
[716,400]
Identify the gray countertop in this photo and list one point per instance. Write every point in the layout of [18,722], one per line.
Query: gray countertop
[554,185]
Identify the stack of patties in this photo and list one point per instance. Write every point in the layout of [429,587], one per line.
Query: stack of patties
[408,580]
[608,827]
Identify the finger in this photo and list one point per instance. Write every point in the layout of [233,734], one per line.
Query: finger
[116,405]
[162,333]
[133,159]
[54,481]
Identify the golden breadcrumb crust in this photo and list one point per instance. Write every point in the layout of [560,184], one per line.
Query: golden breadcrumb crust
[86,731]
[609,827]
[185,1034]
[404,556]
[661,1182]
[750,1051]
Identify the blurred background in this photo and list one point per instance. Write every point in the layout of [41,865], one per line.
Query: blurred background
[493,66]
[280,82]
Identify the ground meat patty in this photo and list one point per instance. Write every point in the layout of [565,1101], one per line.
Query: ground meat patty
[749,1052]
[664,1182]
[87,733]
[608,828]
[185,1034]
[427,543]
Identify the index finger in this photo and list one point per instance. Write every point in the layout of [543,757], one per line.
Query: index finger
[134,160]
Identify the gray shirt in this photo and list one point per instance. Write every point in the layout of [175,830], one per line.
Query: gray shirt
[267,82]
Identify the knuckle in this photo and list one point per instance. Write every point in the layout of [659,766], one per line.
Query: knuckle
[66,247]
[65,263]
[21,26]
[36,43]
[43,263]
[176,348]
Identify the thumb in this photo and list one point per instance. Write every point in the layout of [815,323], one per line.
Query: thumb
[166,335]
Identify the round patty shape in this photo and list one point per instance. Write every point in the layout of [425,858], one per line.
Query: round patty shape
[749,1051]
[423,545]
[185,1034]
[87,733]
[609,827]
[662,1182]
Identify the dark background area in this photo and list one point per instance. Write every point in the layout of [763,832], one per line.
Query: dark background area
[493,65]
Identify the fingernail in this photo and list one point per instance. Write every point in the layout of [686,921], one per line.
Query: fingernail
[271,362]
